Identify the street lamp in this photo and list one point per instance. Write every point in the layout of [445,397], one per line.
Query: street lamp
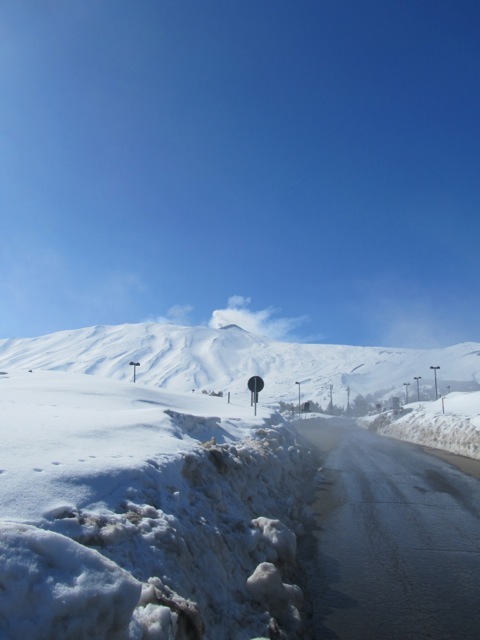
[417,378]
[299,414]
[134,365]
[406,385]
[435,374]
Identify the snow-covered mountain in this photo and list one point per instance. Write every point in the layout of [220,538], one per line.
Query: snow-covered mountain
[199,358]
[162,508]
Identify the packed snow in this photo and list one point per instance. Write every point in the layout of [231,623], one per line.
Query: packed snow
[129,512]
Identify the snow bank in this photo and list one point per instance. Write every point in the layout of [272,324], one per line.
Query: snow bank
[451,424]
[266,586]
[53,587]
[132,513]
[208,538]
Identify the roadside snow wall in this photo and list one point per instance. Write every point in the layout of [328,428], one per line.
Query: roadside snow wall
[457,434]
[204,543]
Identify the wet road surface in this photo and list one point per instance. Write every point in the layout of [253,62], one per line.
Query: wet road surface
[398,551]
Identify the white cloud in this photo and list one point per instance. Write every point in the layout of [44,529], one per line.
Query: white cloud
[178,314]
[237,311]
[234,302]
[260,322]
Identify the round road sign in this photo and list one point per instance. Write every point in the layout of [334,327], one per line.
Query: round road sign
[256,384]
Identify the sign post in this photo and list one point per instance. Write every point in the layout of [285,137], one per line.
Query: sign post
[255,384]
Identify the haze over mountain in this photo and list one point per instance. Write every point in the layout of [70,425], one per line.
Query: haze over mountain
[204,359]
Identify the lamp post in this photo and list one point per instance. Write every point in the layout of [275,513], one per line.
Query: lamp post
[299,414]
[417,378]
[134,365]
[406,385]
[435,374]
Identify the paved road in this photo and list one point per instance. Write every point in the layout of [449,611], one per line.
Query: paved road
[398,552]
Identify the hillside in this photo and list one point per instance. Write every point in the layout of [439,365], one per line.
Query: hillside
[165,508]
[199,358]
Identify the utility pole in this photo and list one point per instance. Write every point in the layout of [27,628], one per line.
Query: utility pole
[406,384]
[417,378]
[134,365]
[299,413]
[435,374]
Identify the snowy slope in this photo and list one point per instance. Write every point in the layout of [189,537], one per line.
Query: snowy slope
[199,358]
[131,513]
[91,427]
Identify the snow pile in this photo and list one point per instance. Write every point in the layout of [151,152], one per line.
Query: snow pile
[283,600]
[133,513]
[451,423]
[52,587]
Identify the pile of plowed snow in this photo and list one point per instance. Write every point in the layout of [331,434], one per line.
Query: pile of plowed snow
[133,513]
[451,423]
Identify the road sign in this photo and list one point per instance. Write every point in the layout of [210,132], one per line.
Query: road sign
[256,384]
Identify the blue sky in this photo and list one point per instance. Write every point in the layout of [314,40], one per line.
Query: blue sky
[309,169]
